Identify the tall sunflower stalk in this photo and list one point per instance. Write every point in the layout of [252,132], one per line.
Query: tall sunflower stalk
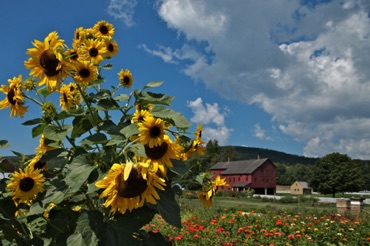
[105,161]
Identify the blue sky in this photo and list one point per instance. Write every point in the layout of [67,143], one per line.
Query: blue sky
[287,75]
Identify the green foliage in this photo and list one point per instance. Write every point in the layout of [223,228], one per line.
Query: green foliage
[82,145]
[337,173]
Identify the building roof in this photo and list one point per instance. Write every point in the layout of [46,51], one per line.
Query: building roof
[241,184]
[303,184]
[239,167]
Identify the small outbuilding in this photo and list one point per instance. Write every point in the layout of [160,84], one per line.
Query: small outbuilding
[300,188]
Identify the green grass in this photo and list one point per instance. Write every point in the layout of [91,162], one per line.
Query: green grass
[250,204]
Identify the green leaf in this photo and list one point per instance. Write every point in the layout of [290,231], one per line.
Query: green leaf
[97,138]
[56,133]
[168,207]
[106,104]
[44,91]
[54,196]
[4,144]
[107,66]
[120,230]
[138,149]
[153,98]
[37,130]
[175,117]
[76,239]
[153,84]
[130,130]
[32,122]
[35,208]
[122,97]
[81,124]
[155,239]
[78,172]
[88,236]
[51,154]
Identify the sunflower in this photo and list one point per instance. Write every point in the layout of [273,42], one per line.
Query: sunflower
[25,185]
[198,134]
[36,162]
[14,97]
[125,78]
[103,29]
[94,51]
[70,97]
[128,186]
[112,48]
[73,55]
[151,131]
[78,37]
[44,145]
[140,115]
[205,198]
[46,61]
[161,155]
[86,73]
[218,181]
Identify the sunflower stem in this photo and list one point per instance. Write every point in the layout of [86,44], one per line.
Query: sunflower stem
[33,99]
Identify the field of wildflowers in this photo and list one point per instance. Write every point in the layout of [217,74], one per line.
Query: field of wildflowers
[265,226]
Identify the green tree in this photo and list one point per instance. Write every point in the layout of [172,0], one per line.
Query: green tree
[336,173]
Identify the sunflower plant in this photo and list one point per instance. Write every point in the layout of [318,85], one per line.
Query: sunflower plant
[106,158]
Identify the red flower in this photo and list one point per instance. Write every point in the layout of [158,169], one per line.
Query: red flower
[219,230]
[179,238]
[291,236]
[227,244]
[213,222]
[196,236]
[279,222]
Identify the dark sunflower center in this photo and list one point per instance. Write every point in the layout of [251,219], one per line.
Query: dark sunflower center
[40,164]
[155,131]
[26,184]
[74,56]
[65,98]
[71,89]
[110,47]
[11,95]
[156,152]
[49,62]
[84,73]
[126,80]
[133,186]
[93,52]
[103,30]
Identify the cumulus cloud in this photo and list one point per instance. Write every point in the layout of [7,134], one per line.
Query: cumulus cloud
[123,10]
[304,64]
[213,120]
[260,133]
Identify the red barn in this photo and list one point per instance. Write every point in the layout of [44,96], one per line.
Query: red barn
[258,174]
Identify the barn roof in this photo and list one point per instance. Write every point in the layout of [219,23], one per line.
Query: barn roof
[239,167]
[240,184]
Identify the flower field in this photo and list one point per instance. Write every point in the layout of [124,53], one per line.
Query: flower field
[264,227]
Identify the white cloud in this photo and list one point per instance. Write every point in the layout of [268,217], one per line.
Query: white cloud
[170,55]
[177,13]
[123,10]
[260,133]
[307,66]
[213,120]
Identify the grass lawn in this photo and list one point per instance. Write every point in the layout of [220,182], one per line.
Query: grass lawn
[248,204]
